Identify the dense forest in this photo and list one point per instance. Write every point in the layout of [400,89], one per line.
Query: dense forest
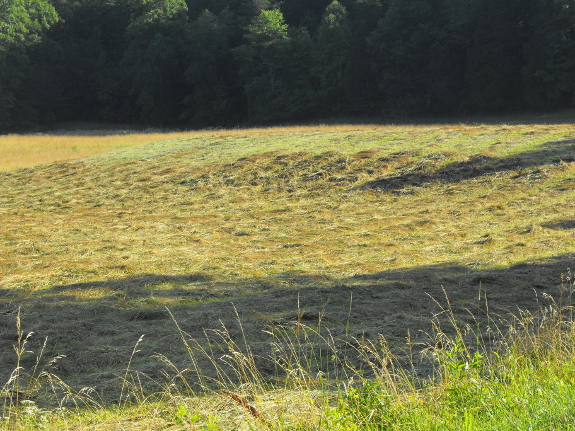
[199,63]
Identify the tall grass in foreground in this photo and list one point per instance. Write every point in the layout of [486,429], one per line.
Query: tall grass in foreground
[505,372]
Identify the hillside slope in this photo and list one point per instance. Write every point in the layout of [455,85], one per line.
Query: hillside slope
[357,226]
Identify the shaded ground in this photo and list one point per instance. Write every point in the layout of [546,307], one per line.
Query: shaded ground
[98,336]
[424,170]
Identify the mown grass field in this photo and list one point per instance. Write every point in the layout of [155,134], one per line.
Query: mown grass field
[355,229]
[19,151]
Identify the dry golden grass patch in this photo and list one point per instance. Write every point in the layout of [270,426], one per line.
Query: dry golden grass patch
[19,151]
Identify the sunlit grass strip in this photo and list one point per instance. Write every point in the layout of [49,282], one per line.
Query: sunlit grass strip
[106,223]
[19,151]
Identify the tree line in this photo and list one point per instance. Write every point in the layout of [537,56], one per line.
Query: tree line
[199,63]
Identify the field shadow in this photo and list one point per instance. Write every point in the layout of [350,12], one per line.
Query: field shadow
[378,300]
[560,225]
[422,171]
[98,335]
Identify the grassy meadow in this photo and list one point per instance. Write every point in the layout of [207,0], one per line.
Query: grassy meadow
[324,277]
[19,151]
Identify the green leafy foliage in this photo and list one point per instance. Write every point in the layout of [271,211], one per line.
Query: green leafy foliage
[263,62]
[267,28]
[21,24]
[151,12]
[21,21]
[152,60]
[550,66]
[213,87]
[219,63]
[331,54]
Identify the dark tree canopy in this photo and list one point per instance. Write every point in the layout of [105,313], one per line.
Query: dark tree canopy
[202,63]
[21,25]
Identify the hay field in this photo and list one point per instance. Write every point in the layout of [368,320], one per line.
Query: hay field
[359,225]
[20,151]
